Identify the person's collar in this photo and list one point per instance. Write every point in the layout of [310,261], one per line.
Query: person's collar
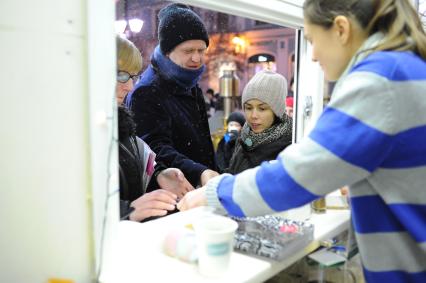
[186,78]
[365,50]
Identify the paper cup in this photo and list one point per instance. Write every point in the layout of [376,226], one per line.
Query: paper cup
[215,236]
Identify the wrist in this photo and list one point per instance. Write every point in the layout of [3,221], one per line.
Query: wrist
[211,194]
[157,171]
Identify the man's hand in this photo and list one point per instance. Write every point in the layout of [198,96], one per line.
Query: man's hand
[193,199]
[173,180]
[207,175]
[155,203]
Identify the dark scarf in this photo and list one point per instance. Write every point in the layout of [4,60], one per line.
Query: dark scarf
[251,140]
[184,77]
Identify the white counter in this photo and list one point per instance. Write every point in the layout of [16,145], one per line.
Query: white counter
[137,254]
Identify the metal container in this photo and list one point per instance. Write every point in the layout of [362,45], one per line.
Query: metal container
[229,84]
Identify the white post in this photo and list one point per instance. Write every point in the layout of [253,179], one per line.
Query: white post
[53,142]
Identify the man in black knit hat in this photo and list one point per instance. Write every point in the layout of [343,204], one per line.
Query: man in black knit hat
[167,103]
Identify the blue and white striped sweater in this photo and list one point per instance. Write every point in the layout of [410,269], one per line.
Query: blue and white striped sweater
[371,137]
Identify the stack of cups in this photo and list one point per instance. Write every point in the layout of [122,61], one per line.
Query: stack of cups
[215,237]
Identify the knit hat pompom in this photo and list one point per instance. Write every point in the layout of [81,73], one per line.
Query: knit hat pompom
[289,101]
[236,117]
[178,23]
[268,87]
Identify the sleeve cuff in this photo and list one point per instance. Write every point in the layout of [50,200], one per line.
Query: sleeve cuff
[193,172]
[212,196]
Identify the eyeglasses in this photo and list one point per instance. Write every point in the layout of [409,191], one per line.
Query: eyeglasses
[124,77]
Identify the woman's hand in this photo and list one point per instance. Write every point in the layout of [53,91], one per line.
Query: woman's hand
[173,180]
[193,199]
[207,175]
[155,203]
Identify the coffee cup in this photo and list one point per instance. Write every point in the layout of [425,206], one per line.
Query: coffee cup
[214,237]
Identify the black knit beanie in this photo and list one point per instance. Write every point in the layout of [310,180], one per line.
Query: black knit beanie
[178,23]
[237,117]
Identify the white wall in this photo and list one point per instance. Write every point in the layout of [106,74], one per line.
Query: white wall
[103,126]
[281,12]
[48,163]
[310,87]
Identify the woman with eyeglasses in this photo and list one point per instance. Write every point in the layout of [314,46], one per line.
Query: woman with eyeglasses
[136,160]
[129,64]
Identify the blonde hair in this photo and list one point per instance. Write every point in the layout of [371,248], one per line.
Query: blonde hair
[396,19]
[129,58]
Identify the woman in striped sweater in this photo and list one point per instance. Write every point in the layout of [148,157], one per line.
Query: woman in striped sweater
[369,137]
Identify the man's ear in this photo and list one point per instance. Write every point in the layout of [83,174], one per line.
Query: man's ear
[343,28]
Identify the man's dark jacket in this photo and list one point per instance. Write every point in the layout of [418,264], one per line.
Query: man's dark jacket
[173,121]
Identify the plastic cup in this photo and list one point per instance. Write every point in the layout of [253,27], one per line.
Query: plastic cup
[214,236]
